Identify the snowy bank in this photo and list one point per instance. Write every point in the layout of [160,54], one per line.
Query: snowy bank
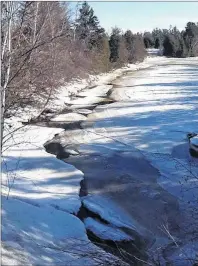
[40,193]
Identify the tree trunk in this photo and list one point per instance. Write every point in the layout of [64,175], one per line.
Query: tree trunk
[6,51]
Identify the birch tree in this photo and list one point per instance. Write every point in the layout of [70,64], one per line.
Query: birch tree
[8,10]
[34,36]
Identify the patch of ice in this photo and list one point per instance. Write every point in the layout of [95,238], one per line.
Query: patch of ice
[116,216]
[84,111]
[194,140]
[106,232]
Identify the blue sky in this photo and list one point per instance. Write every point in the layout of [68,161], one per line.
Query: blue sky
[142,16]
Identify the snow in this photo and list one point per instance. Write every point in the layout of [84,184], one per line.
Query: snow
[156,109]
[40,193]
[84,111]
[106,232]
[38,225]
[99,90]
[70,117]
[44,236]
[154,51]
[94,87]
[43,193]
[155,116]
[194,141]
[42,224]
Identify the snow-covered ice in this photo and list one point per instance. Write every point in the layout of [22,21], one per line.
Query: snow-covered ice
[156,108]
[106,232]
[194,141]
[69,117]
[40,194]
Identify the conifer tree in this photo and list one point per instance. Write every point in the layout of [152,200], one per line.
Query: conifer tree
[114,43]
[88,28]
[191,38]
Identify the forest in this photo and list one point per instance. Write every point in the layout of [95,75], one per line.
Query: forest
[174,43]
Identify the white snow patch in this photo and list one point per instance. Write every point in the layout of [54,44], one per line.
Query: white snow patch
[38,194]
[70,117]
[99,90]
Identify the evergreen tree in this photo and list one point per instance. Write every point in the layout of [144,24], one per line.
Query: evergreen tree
[173,44]
[191,38]
[158,37]
[181,44]
[88,28]
[157,43]
[148,40]
[114,43]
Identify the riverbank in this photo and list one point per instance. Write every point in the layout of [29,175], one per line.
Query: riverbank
[40,192]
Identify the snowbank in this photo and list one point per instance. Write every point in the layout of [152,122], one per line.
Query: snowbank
[40,194]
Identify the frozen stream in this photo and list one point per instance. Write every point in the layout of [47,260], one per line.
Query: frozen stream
[139,177]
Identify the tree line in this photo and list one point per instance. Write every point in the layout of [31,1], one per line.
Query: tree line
[174,43]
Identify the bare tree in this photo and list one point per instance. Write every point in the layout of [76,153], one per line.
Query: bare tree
[8,10]
[34,35]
